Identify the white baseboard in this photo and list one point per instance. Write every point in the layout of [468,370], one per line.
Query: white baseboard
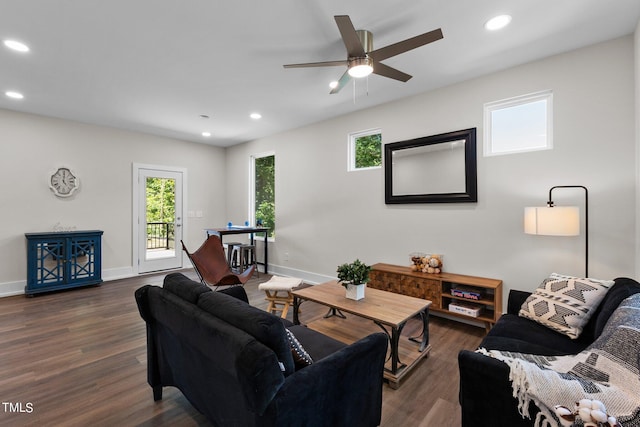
[306,276]
[117,273]
[8,289]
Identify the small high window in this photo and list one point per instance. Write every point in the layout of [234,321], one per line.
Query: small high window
[365,150]
[520,124]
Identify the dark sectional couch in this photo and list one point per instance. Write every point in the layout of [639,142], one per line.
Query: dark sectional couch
[233,362]
[486,394]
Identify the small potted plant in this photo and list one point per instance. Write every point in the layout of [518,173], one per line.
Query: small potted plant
[354,278]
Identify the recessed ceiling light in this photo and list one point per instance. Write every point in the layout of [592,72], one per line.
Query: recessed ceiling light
[14,95]
[255,116]
[16,45]
[206,134]
[497,22]
[333,84]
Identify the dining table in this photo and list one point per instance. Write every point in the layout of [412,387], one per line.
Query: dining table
[245,229]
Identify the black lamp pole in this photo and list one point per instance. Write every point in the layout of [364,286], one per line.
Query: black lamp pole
[586,220]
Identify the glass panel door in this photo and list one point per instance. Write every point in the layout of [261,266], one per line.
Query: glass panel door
[160,220]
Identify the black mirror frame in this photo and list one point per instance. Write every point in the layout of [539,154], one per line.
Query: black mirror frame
[470,194]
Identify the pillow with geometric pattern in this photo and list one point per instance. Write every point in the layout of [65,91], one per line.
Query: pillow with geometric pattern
[565,303]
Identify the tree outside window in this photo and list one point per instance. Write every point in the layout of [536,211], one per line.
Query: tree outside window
[161,210]
[365,149]
[264,197]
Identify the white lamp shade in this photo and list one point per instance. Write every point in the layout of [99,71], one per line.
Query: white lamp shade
[552,221]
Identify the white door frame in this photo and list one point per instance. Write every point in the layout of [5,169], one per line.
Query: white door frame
[135,205]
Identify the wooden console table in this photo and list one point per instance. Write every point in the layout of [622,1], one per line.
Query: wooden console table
[437,289]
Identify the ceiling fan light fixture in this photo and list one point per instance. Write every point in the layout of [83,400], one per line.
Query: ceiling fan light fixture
[360,67]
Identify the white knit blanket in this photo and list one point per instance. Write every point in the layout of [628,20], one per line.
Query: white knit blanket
[608,370]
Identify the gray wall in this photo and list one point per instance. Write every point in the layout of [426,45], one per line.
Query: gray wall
[34,146]
[637,86]
[327,216]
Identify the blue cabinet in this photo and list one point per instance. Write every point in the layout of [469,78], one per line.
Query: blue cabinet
[62,260]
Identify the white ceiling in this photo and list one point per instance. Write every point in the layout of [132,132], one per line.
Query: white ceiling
[155,66]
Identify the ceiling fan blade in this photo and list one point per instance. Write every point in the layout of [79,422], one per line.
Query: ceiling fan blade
[341,83]
[386,71]
[349,36]
[317,64]
[406,45]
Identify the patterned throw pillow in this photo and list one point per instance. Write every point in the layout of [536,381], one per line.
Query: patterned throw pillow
[565,303]
[300,356]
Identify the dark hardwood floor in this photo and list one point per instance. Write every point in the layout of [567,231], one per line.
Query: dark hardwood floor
[78,358]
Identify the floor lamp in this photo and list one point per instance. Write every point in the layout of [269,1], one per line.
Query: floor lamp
[554,220]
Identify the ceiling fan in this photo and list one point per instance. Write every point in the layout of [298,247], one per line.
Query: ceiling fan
[362,60]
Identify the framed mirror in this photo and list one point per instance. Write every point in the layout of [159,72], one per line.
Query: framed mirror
[432,169]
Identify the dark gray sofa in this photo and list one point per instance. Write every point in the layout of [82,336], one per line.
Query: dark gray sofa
[233,362]
[486,395]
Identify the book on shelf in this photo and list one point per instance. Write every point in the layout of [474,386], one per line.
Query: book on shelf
[467,293]
[465,308]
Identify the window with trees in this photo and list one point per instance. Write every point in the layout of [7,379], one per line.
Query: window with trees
[365,150]
[263,209]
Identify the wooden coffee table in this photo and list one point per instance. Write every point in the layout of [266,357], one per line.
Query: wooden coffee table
[390,311]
